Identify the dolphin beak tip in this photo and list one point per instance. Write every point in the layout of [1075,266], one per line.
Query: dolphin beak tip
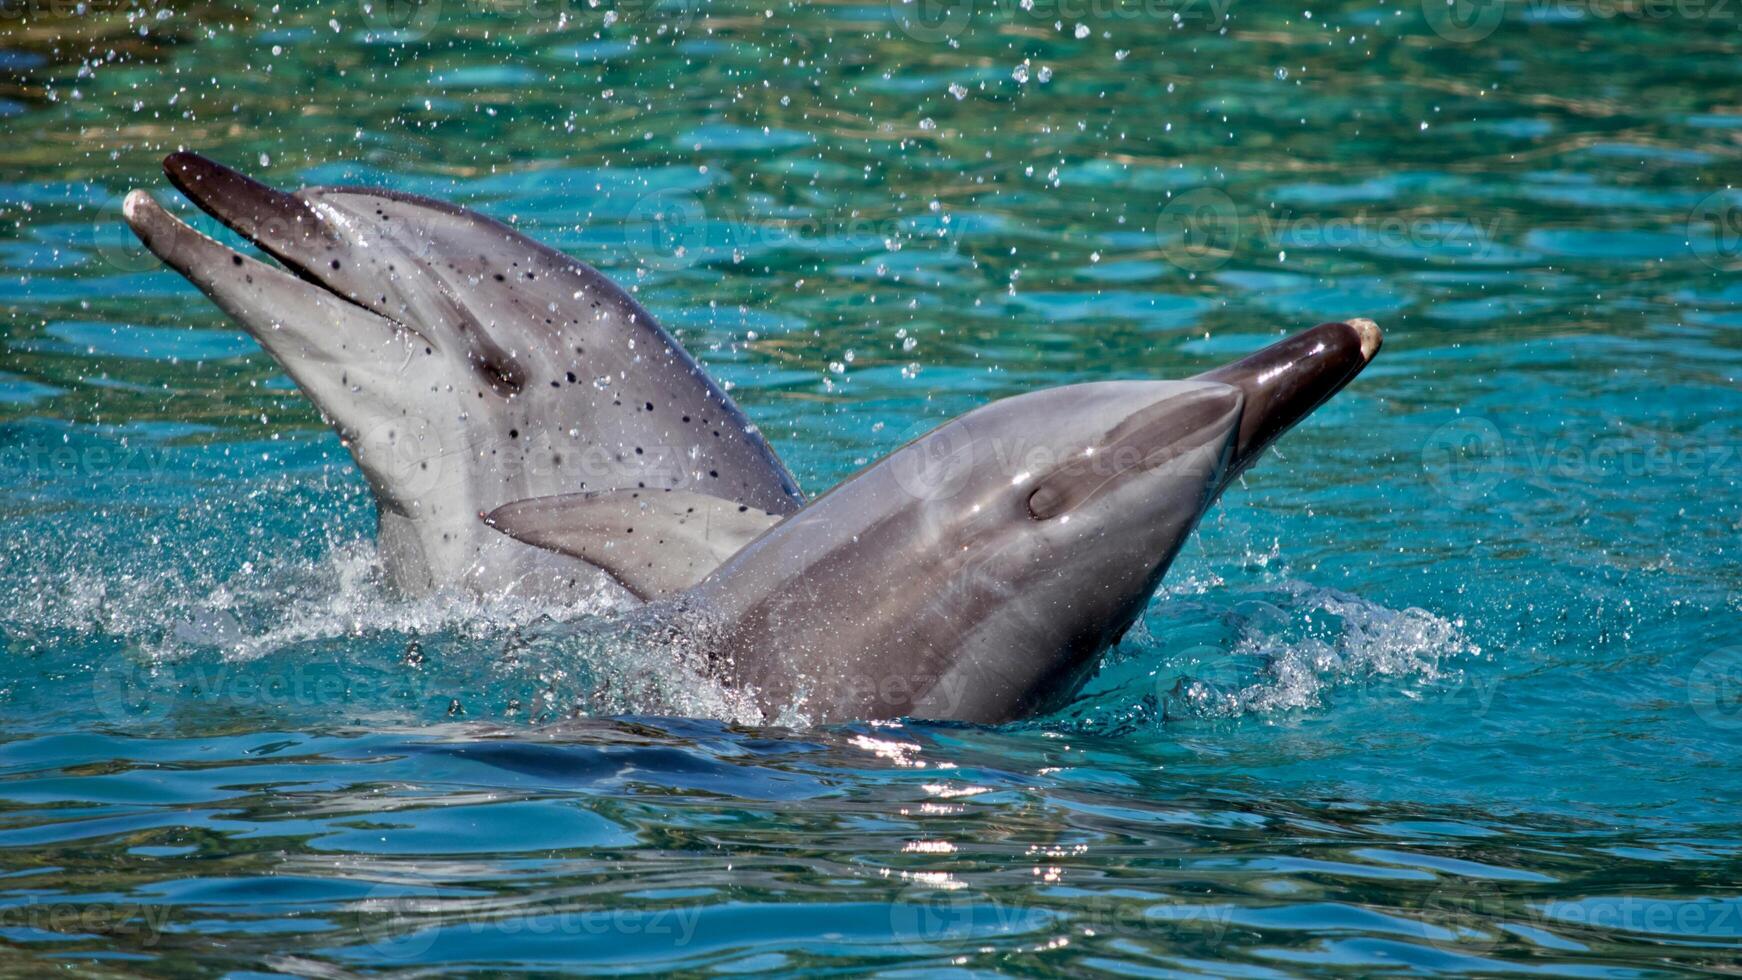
[1370,335]
[135,206]
[183,165]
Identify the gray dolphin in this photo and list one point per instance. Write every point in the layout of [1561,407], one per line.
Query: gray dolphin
[976,573]
[465,366]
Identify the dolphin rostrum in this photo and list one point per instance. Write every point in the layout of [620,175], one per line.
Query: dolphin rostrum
[465,366]
[975,574]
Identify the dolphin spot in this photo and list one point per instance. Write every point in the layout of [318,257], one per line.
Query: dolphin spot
[235,260]
[686,418]
[714,473]
[500,277]
[335,263]
[513,433]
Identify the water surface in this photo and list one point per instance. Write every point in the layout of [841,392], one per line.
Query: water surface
[1449,684]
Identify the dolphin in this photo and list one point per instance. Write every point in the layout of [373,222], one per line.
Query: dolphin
[464,366]
[975,574]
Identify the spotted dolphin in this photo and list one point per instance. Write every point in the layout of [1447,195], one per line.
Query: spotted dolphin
[465,366]
[977,573]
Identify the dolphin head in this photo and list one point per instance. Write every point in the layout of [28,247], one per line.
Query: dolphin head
[463,279]
[1088,496]
[1104,481]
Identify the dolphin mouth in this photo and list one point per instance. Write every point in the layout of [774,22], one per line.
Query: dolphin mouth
[282,225]
[1290,379]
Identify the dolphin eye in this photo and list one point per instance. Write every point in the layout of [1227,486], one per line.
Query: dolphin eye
[1047,501]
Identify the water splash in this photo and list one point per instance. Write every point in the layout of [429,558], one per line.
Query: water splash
[1304,649]
[270,604]
[624,663]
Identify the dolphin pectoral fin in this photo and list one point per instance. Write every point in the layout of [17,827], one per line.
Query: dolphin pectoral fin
[655,542]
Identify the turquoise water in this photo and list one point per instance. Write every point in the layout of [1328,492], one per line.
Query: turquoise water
[1449,684]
